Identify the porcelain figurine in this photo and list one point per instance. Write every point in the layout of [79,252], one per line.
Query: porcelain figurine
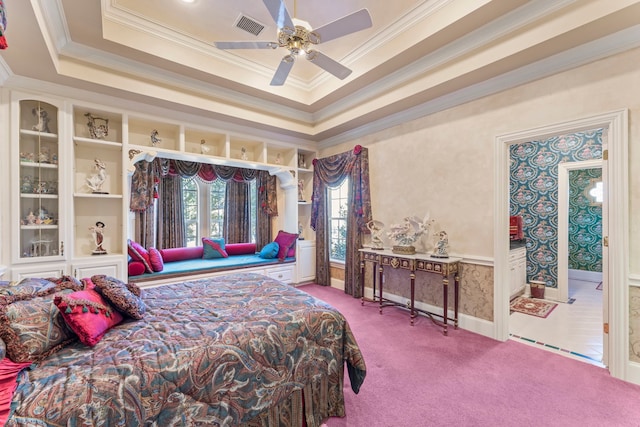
[98,127]
[96,181]
[441,249]
[155,139]
[98,238]
[43,120]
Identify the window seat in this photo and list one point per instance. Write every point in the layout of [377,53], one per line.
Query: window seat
[181,264]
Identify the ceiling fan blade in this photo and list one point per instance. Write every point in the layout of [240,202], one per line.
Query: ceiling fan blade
[283,70]
[328,64]
[245,45]
[278,11]
[357,21]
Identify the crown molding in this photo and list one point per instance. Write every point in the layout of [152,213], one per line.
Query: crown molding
[5,72]
[607,46]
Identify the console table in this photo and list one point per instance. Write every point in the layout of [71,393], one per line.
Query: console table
[444,267]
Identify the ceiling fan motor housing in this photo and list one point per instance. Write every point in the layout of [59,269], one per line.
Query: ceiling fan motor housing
[297,40]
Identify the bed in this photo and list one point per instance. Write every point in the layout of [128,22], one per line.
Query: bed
[236,350]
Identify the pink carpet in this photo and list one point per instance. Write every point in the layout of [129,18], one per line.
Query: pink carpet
[418,377]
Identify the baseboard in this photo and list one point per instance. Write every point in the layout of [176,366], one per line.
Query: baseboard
[587,276]
[466,322]
[633,373]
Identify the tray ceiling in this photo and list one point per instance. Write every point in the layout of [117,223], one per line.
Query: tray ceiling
[419,56]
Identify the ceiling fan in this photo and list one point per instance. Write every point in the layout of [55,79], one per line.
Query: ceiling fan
[299,40]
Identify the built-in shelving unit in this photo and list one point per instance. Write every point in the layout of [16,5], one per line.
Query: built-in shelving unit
[74,172]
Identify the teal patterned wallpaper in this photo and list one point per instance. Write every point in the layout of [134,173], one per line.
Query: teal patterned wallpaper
[585,222]
[534,194]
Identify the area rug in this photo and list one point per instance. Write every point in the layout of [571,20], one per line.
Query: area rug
[532,306]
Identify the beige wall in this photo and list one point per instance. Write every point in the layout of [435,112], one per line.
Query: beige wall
[444,163]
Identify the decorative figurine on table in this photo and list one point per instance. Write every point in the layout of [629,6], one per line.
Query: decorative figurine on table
[96,181]
[406,233]
[43,120]
[442,246]
[98,127]
[155,139]
[376,228]
[203,148]
[301,190]
[98,238]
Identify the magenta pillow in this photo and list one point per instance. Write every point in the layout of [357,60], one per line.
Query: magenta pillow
[136,268]
[181,254]
[213,248]
[240,248]
[155,259]
[286,242]
[138,253]
[8,375]
[88,314]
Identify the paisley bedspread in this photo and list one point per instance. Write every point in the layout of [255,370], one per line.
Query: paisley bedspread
[234,350]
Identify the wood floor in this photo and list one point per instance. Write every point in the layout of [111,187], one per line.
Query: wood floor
[574,330]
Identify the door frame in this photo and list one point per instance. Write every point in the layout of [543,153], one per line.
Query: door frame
[616,133]
[563,221]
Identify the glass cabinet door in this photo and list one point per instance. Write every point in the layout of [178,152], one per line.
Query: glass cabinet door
[39,180]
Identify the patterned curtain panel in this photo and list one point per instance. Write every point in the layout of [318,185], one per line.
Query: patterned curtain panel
[237,219]
[267,207]
[144,225]
[328,172]
[171,233]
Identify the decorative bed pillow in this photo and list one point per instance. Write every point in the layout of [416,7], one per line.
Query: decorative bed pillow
[213,248]
[3,349]
[240,248]
[31,326]
[125,297]
[270,250]
[87,314]
[155,259]
[138,253]
[26,286]
[286,241]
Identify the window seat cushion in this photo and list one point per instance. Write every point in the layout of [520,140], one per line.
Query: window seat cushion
[198,266]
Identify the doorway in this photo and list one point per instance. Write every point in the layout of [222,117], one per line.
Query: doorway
[615,253]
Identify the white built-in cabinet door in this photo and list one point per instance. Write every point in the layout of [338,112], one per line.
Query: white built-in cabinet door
[306,260]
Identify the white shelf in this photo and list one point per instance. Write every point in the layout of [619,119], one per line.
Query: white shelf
[39,165]
[96,143]
[41,135]
[38,196]
[97,196]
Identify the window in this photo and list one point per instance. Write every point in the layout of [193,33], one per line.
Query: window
[338,204]
[190,206]
[216,208]
[204,207]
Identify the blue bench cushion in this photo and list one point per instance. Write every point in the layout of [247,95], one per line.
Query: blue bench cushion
[199,265]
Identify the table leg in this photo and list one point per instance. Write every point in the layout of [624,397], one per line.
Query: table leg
[381,276]
[456,291]
[413,293]
[445,302]
[362,270]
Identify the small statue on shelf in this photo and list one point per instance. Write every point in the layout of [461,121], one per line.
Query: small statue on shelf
[302,163]
[243,154]
[155,139]
[96,181]
[203,148]
[301,190]
[43,120]
[98,238]
[98,127]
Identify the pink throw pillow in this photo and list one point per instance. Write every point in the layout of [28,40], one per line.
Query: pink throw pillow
[87,314]
[138,253]
[155,259]
[240,248]
[181,254]
[136,268]
[285,241]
